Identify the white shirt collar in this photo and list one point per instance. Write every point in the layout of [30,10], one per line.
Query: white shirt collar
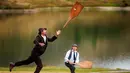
[44,37]
[74,51]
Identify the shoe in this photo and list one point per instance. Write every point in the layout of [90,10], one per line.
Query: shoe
[11,66]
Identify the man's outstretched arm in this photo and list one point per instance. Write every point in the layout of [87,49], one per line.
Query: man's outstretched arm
[54,37]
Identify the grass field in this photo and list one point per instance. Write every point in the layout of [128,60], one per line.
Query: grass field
[60,70]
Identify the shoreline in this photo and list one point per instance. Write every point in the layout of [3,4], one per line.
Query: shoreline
[36,10]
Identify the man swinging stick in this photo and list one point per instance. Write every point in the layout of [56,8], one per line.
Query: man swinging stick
[41,42]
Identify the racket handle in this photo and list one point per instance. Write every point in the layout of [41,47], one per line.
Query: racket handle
[69,19]
[67,22]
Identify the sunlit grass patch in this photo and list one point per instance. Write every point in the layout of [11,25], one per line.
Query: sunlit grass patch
[55,69]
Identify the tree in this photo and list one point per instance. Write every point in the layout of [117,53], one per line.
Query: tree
[124,3]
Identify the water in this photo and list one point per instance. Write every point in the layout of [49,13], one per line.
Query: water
[103,37]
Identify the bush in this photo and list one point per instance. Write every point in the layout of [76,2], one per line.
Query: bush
[112,4]
[5,7]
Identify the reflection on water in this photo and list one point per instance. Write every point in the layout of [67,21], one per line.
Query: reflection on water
[103,37]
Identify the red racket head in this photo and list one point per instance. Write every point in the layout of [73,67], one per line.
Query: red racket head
[76,9]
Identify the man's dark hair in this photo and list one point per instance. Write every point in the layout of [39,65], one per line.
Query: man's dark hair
[41,30]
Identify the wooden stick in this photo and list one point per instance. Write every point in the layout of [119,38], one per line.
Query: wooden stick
[69,19]
[75,11]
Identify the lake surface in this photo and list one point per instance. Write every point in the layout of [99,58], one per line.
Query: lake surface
[103,37]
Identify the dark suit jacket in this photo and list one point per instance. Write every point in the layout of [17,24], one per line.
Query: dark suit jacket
[41,49]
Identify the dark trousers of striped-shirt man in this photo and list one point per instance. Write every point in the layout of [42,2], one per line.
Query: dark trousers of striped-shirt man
[71,67]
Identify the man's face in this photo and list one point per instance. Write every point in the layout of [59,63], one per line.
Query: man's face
[74,48]
[44,32]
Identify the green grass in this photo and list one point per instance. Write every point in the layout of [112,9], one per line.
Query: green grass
[53,69]
[56,69]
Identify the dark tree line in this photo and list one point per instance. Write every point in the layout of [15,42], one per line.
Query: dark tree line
[124,3]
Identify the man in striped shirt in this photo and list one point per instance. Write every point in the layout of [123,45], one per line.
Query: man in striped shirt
[72,58]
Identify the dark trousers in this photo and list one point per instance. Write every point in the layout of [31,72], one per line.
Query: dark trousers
[71,67]
[33,58]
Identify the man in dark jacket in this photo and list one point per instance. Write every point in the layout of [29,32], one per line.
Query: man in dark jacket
[41,42]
